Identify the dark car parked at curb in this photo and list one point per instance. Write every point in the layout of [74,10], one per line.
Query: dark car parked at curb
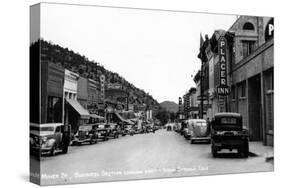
[102,131]
[113,130]
[86,134]
[227,132]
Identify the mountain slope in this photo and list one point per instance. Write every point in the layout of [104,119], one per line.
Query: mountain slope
[169,106]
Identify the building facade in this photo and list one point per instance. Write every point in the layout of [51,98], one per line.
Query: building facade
[250,72]
[251,75]
[74,113]
[52,81]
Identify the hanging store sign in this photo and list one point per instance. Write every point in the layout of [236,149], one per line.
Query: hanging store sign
[222,89]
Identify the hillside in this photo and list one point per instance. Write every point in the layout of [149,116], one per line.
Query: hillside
[86,68]
[169,106]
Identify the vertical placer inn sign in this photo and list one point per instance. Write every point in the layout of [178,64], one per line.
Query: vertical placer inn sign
[222,89]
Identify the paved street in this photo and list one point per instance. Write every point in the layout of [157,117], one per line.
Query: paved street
[162,154]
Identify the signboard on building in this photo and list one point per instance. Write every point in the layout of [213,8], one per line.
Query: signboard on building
[222,89]
[269,30]
[102,86]
[180,105]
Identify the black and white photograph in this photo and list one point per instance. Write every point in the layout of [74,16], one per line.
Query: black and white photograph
[119,93]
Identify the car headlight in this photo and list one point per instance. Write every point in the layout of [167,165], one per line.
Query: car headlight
[49,142]
[31,140]
[44,139]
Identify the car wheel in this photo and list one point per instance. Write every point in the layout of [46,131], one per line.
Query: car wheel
[214,152]
[65,149]
[191,141]
[53,151]
[244,151]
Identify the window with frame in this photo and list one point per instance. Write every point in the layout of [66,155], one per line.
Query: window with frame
[248,26]
[54,108]
[248,47]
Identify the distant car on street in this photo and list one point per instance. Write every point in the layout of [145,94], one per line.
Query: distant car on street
[49,138]
[227,132]
[102,131]
[186,131]
[169,127]
[113,130]
[128,130]
[198,130]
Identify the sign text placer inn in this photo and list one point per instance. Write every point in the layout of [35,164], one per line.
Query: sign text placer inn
[222,89]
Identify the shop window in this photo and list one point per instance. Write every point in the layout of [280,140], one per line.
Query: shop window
[54,109]
[248,26]
[248,47]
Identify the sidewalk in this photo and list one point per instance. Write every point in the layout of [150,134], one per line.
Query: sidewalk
[257,148]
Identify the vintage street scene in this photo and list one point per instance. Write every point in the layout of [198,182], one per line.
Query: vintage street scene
[129,94]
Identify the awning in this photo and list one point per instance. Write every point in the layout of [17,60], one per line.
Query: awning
[129,122]
[79,109]
[120,117]
[96,116]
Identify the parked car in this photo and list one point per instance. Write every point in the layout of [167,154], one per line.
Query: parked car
[49,138]
[113,130]
[85,134]
[102,131]
[128,130]
[198,130]
[227,132]
[183,126]
[186,131]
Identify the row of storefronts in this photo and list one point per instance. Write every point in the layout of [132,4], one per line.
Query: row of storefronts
[67,97]
[74,100]
[249,76]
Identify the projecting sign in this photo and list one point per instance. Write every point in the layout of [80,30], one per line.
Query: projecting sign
[269,30]
[222,89]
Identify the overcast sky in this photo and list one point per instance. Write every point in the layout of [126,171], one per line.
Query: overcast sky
[154,50]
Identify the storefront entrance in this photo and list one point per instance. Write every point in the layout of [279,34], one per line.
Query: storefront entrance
[254,107]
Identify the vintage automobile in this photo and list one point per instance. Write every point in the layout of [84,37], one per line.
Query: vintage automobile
[227,132]
[185,131]
[169,127]
[183,127]
[128,130]
[86,134]
[198,130]
[49,138]
[102,131]
[113,130]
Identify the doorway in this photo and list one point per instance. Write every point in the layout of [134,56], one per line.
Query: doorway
[254,107]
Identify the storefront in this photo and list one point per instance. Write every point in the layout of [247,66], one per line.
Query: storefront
[74,113]
[52,81]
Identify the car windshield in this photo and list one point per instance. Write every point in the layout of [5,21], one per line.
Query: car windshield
[46,128]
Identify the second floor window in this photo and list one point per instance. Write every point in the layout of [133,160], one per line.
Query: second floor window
[248,47]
